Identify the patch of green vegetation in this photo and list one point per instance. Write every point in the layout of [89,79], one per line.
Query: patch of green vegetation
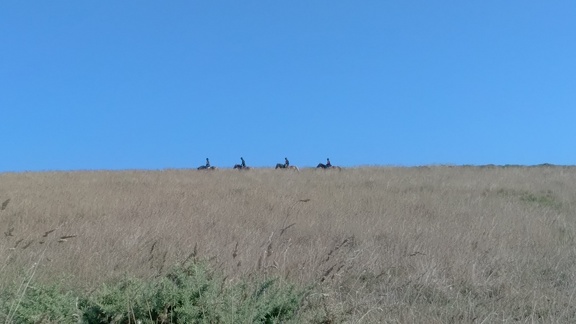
[190,293]
[544,198]
[42,304]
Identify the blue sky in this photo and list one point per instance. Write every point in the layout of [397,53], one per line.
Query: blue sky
[165,84]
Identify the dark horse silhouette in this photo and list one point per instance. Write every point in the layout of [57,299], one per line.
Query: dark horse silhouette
[207,166]
[242,166]
[324,166]
[328,165]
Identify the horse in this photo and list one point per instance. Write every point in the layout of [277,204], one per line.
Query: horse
[240,167]
[203,167]
[326,166]
[283,166]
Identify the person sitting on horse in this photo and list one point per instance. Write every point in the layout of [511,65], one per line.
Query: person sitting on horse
[286,163]
[328,164]
[243,163]
[207,163]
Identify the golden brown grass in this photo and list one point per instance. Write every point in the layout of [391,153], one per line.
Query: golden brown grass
[431,244]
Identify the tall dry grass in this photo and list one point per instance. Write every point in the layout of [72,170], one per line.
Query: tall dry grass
[433,244]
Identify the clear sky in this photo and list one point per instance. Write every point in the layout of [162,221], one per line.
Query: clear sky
[164,84]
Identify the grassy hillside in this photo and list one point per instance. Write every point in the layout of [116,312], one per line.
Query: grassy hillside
[433,244]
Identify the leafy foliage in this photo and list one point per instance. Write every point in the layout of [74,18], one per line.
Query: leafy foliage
[44,304]
[190,293]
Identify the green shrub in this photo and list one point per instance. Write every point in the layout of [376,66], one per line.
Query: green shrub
[42,304]
[190,293]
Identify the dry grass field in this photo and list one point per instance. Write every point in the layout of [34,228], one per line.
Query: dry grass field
[433,244]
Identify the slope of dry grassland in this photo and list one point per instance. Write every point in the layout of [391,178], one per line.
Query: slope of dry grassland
[434,244]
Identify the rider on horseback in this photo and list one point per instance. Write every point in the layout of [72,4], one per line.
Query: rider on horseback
[243,163]
[207,163]
[286,163]
[328,165]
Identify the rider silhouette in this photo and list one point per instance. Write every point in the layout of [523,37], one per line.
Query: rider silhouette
[286,162]
[207,163]
[243,163]
[328,164]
